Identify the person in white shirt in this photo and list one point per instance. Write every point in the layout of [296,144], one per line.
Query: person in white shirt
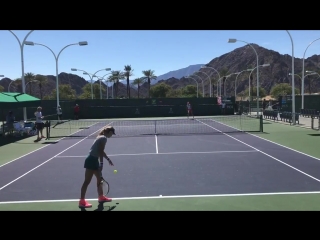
[39,124]
[59,113]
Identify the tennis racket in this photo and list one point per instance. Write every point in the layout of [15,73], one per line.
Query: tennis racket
[105,185]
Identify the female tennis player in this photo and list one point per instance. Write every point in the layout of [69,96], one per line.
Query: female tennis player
[94,167]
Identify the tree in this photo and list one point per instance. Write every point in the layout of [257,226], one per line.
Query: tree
[138,82]
[115,77]
[282,89]
[174,93]
[127,73]
[189,91]
[65,92]
[149,75]
[160,91]
[253,90]
[41,81]
[95,89]
[1,88]
[29,77]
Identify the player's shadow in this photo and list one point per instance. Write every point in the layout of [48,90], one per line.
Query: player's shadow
[101,207]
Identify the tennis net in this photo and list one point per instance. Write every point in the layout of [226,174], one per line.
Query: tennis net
[142,127]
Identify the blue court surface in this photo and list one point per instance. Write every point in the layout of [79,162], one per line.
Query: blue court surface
[167,165]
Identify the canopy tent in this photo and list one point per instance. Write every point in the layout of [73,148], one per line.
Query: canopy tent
[9,100]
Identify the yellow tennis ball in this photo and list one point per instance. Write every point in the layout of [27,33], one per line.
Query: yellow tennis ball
[115,171]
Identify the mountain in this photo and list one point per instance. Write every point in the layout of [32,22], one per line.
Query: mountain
[180,73]
[244,58]
[237,60]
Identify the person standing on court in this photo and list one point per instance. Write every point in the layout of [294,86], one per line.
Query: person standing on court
[39,124]
[189,110]
[76,111]
[59,113]
[94,165]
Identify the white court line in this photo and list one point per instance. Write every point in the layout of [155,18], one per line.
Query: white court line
[169,153]
[41,147]
[263,153]
[48,160]
[157,148]
[177,196]
[271,141]
[158,125]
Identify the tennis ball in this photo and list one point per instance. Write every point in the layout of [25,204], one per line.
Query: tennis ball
[115,171]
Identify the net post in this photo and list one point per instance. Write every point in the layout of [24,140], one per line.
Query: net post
[312,122]
[48,129]
[261,123]
[155,126]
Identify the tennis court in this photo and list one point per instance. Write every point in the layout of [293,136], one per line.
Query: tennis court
[163,164]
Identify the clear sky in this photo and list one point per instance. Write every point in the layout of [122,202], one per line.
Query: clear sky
[161,51]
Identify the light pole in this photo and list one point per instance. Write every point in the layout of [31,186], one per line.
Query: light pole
[101,79]
[195,74]
[56,57]
[21,44]
[263,65]
[197,85]
[31,81]
[235,82]
[224,88]
[302,78]
[310,73]
[219,80]
[293,95]
[210,78]
[10,85]
[232,40]
[93,75]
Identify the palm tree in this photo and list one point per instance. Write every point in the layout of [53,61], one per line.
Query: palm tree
[115,77]
[29,77]
[138,82]
[41,80]
[128,72]
[149,75]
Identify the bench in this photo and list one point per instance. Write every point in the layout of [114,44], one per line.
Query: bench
[270,114]
[287,117]
[309,113]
